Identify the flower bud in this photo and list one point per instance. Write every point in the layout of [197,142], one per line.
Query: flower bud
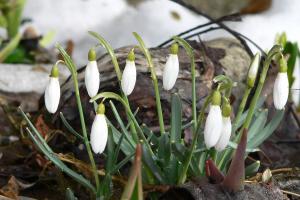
[171,68]
[92,76]
[99,131]
[52,92]
[129,74]
[252,73]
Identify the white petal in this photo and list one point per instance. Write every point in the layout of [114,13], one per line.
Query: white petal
[99,134]
[254,66]
[213,126]
[128,77]
[225,135]
[92,78]
[281,90]
[171,71]
[52,95]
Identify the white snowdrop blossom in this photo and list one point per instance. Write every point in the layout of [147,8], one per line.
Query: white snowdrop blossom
[171,69]
[99,131]
[129,75]
[214,123]
[281,90]
[92,76]
[52,92]
[225,134]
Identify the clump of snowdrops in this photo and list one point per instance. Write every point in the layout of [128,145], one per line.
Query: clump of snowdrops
[163,157]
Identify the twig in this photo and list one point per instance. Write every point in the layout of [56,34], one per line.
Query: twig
[290,193]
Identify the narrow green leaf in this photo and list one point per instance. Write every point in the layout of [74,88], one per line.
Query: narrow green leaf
[268,130]
[110,151]
[10,47]
[70,195]
[258,124]
[176,118]
[122,163]
[69,127]
[252,169]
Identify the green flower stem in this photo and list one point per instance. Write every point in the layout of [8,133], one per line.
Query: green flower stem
[273,52]
[187,162]
[71,66]
[115,63]
[190,53]
[241,108]
[155,82]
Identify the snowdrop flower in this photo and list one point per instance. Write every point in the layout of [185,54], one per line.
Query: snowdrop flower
[52,92]
[129,75]
[281,86]
[214,123]
[171,69]
[253,70]
[99,131]
[92,76]
[226,128]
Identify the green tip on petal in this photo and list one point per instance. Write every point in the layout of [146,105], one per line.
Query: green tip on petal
[131,56]
[251,82]
[226,109]
[282,65]
[216,98]
[54,71]
[101,109]
[174,48]
[92,54]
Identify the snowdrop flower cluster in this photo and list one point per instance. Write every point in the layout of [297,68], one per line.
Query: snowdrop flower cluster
[99,131]
[52,92]
[92,76]
[129,74]
[171,68]
[281,86]
[217,130]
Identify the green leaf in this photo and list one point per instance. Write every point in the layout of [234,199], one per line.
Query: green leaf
[70,195]
[258,124]
[10,47]
[47,38]
[151,164]
[176,118]
[252,169]
[69,127]
[234,145]
[122,163]
[122,126]
[110,151]
[268,130]
[164,149]
[126,147]
[292,50]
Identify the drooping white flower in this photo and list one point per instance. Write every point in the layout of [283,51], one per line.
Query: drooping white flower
[253,70]
[214,123]
[92,76]
[52,92]
[225,134]
[281,90]
[99,131]
[171,69]
[129,75]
